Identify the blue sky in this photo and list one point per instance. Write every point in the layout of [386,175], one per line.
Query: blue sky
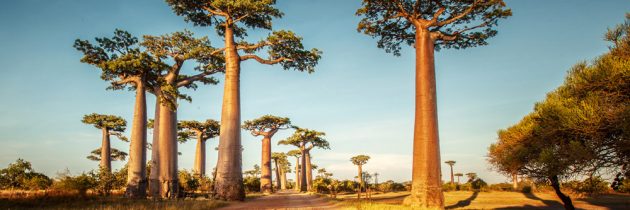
[359,95]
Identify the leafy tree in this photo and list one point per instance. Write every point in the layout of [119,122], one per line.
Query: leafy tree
[359,161]
[81,183]
[450,163]
[202,131]
[266,126]
[429,26]
[305,140]
[282,164]
[20,175]
[297,154]
[231,20]
[109,125]
[177,48]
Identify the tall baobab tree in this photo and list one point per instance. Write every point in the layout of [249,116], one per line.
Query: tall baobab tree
[177,48]
[202,131]
[266,126]
[277,157]
[285,167]
[359,161]
[124,64]
[429,26]
[109,125]
[231,20]
[450,163]
[458,175]
[305,140]
[297,154]
[471,176]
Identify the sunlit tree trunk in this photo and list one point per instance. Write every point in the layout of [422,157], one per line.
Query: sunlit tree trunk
[168,152]
[297,174]
[283,179]
[303,185]
[154,177]
[566,200]
[278,180]
[360,177]
[452,178]
[106,161]
[265,178]
[426,191]
[309,171]
[200,156]
[229,180]
[137,173]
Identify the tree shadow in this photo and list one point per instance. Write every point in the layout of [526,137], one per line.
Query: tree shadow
[464,203]
[550,203]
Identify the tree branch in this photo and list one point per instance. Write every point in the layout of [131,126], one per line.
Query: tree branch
[264,61]
[125,81]
[215,12]
[189,80]
[254,46]
[460,16]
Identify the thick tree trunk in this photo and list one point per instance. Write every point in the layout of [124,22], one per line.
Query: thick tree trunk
[229,180]
[106,161]
[283,179]
[452,178]
[278,180]
[566,200]
[360,177]
[297,174]
[309,171]
[200,157]
[426,191]
[137,171]
[265,163]
[169,185]
[303,185]
[154,177]
[514,181]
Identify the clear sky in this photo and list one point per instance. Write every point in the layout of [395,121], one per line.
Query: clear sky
[359,95]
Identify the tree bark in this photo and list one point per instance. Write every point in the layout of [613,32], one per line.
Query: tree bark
[283,179]
[229,180]
[452,178]
[309,171]
[106,161]
[265,178]
[137,173]
[514,181]
[200,157]
[303,185]
[169,184]
[566,200]
[360,177]
[297,174]
[426,191]
[154,177]
[278,180]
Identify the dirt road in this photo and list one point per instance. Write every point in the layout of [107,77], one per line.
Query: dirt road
[285,200]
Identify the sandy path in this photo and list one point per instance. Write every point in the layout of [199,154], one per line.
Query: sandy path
[285,200]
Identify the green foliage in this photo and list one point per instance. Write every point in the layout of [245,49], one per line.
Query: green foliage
[589,186]
[109,122]
[390,186]
[286,48]
[188,181]
[116,155]
[360,160]
[195,129]
[321,184]
[454,24]
[20,175]
[267,124]
[446,187]
[306,138]
[501,187]
[619,38]
[294,153]
[251,181]
[81,183]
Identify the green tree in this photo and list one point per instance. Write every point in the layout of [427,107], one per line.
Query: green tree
[305,140]
[359,161]
[450,163]
[202,131]
[109,125]
[231,19]
[429,26]
[20,175]
[266,126]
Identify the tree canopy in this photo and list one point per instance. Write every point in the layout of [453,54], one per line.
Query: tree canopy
[266,125]
[194,129]
[450,162]
[360,160]
[109,122]
[294,153]
[452,23]
[306,139]
[116,155]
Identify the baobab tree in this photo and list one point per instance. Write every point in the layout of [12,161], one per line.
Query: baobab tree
[178,48]
[125,64]
[450,163]
[266,126]
[277,158]
[231,20]
[285,167]
[109,125]
[359,161]
[202,131]
[305,140]
[429,26]
[297,154]
[458,175]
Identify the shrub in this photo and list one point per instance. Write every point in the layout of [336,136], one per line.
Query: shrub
[81,183]
[501,187]
[589,186]
[449,187]
[37,182]
[391,186]
[320,185]
[20,175]
[252,184]
[188,181]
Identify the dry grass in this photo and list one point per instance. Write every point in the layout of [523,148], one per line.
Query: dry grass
[492,200]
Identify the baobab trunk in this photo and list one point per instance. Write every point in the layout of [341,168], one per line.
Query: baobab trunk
[278,180]
[360,177]
[452,178]
[169,185]
[566,200]
[297,174]
[426,191]
[229,180]
[514,181]
[265,178]
[154,177]
[137,173]
[303,186]
[309,171]
[200,157]
[106,162]
[283,179]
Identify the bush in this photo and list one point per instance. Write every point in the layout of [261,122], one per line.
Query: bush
[252,184]
[320,185]
[188,181]
[37,182]
[81,183]
[449,187]
[391,186]
[589,186]
[20,175]
[501,187]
